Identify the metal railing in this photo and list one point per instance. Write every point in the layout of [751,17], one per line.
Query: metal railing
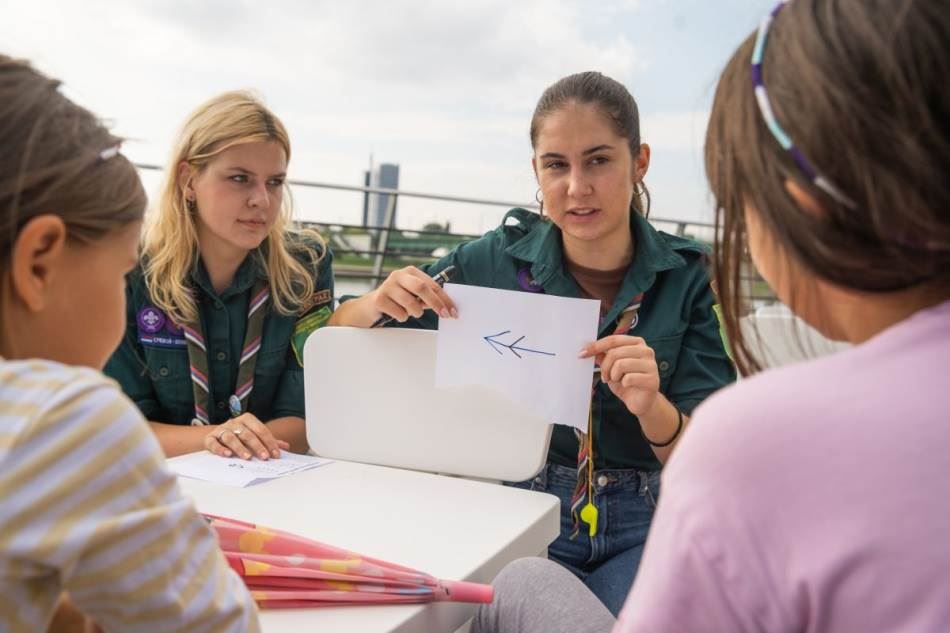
[373,260]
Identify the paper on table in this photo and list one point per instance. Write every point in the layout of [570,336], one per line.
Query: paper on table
[232,471]
[522,345]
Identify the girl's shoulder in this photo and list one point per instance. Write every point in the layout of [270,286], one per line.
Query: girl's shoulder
[25,378]
[47,392]
[689,248]
[685,260]
[480,257]
[519,223]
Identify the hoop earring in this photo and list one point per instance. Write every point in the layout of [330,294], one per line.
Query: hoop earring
[540,200]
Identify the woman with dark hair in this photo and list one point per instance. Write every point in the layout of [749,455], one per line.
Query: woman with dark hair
[659,350]
[812,497]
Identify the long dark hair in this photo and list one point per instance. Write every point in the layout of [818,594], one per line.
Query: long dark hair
[614,101]
[860,86]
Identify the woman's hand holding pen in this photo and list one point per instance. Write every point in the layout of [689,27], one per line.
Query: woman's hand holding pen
[244,436]
[408,292]
[628,366]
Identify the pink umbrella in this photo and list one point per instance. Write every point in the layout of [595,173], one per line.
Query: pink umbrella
[284,570]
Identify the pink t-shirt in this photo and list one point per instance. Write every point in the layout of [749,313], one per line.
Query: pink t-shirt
[813,498]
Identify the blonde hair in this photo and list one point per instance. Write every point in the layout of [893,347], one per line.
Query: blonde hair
[170,240]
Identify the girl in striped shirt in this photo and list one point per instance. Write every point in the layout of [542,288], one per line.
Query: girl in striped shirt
[86,504]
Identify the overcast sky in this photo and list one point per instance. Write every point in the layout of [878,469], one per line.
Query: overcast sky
[445,89]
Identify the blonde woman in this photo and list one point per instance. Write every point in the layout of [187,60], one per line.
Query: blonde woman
[226,292]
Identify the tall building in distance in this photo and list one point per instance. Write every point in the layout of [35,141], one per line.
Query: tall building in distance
[385,176]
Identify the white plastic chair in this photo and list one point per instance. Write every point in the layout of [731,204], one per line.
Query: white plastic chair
[371,397]
[777,337]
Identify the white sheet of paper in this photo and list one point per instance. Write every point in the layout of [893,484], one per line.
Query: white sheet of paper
[232,471]
[523,345]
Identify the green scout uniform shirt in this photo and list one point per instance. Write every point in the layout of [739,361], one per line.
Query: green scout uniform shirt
[152,366]
[676,319]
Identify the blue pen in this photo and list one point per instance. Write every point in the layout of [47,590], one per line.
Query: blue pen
[439,278]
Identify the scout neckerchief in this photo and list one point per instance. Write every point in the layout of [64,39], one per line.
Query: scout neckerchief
[582,501]
[582,506]
[198,357]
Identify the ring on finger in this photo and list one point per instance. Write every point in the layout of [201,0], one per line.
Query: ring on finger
[220,435]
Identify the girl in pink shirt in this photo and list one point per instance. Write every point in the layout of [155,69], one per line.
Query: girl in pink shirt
[813,497]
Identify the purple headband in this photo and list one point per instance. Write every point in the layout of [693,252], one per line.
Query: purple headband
[765,107]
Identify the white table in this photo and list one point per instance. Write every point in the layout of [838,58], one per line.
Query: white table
[452,528]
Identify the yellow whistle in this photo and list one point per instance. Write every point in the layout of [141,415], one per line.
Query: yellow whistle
[589,516]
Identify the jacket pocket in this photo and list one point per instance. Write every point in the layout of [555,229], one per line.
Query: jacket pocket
[666,349]
[271,362]
[171,376]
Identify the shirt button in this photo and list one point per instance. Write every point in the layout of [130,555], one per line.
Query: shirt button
[163,372]
[664,365]
[602,480]
[221,405]
[221,356]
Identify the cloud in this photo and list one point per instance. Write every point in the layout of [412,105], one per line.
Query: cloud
[675,131]
[445,88]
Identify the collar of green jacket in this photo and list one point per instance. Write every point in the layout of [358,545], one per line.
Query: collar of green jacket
[250,270]
[541,247]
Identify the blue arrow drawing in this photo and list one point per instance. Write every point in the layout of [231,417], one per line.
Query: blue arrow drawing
[512,347]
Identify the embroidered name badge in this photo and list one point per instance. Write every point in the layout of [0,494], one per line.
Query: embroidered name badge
[157,330]
[320,298]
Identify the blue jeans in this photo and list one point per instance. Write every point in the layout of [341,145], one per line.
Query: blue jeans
[606,562]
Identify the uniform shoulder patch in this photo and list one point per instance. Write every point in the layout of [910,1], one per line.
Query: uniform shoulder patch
[155,329]
[307,325]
